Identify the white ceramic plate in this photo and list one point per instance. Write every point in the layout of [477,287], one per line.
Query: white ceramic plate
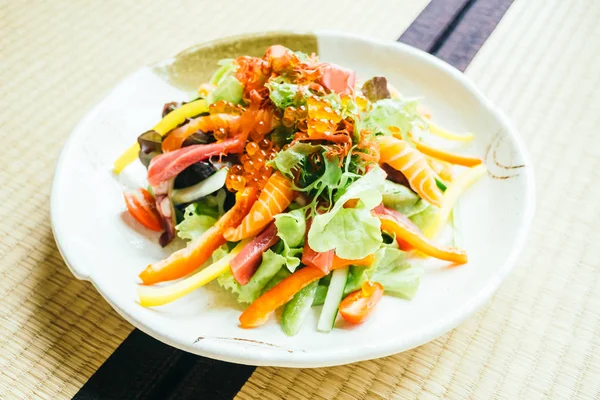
[100,243]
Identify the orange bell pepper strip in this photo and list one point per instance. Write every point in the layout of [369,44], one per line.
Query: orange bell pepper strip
[186,260]
[342,262]
[405,230]
[452,158]
[259,311]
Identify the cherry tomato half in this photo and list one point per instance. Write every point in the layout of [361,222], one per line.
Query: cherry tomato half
[141,206]
[357,306]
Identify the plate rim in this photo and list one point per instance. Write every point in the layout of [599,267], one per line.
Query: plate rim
[221,350]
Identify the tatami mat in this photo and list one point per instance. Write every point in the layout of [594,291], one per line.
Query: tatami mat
[539,338]
[57,58]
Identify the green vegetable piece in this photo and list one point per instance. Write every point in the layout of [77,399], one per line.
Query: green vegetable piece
[353,232]
[296,310]
[320,295]
[285,161]
[227,68]
[425,217]
[291,227]
[440,185]
[391,269]
[402,199]
[270,266]
[284,94]
[193,224]
[399,113]
[230,89]
[332,300]
[279,276]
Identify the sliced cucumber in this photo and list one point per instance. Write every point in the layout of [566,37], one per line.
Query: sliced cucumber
[297,308]
[333,299]
[200,189]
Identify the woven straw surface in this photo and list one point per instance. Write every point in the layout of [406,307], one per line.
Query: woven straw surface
[56,60]
[539,338]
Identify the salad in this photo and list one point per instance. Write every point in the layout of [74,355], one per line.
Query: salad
[295,186]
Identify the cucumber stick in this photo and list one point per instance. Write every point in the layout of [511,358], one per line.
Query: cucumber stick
[333,299]
[297,308]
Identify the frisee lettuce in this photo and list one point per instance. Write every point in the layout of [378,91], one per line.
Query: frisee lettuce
[284,94]
[293,157]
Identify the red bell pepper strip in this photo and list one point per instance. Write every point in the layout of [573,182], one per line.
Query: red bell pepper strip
[166,166]
[244,265]
[405,230]
[186,260]
[140,205]
[259,311]
[358,305]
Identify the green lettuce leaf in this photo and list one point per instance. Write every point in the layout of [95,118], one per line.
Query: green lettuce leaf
[400,113]
[227,68]
[284,94]
[391,269]
[194,224]
[269,267]
[279,276]
[353,232]
[402,199]
[425,217]
[229,89]
[291,228]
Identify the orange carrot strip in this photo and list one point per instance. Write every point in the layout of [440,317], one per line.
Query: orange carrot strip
[341,262]
[409,233]
[186,260]
[259,311]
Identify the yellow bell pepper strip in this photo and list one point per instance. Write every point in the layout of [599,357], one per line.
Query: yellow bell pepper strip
[259,311]
[451,196]
[442,155]
[405,230]
[186,260]
[152,296]
[168,123]
[443,133]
